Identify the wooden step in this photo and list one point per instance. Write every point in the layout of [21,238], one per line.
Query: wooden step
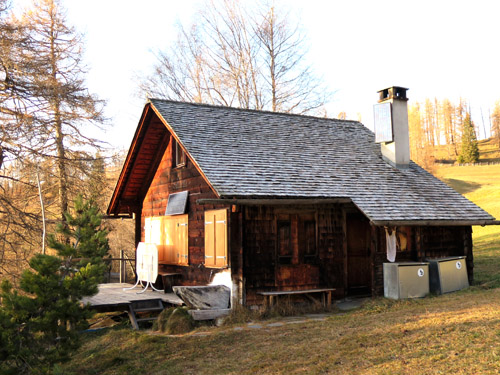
[148,319]
[140,307]
[148,309]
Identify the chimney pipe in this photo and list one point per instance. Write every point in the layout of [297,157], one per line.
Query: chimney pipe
[391,126]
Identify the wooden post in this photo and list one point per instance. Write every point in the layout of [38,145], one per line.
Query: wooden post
[123,275]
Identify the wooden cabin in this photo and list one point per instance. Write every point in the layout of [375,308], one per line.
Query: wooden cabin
[279,202]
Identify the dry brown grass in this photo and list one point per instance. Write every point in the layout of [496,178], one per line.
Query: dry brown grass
[457,333]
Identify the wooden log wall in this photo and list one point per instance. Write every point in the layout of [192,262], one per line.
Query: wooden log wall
[423,242]
[262,270]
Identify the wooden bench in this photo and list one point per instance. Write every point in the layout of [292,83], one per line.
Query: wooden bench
[168,279]
[326,294]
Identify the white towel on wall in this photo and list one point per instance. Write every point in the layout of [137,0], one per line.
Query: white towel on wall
[391,244]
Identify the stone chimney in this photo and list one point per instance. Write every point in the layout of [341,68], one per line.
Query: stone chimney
[391,126]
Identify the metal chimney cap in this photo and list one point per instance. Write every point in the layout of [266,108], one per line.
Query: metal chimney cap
[394,92]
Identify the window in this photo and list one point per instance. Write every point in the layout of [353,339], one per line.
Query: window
[296,238]
[309,241]
[216,238]
[170,234]
[178,155]
[285,251]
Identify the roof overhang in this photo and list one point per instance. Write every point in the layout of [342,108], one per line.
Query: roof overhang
[313,201]
[273,201]
[114,207]
[436,223]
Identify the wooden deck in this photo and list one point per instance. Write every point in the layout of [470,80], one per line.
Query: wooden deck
[112,297]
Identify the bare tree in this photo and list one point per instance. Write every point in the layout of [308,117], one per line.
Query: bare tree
[495,123]
[291,84]
[66,107]
[45,114]
[246,56]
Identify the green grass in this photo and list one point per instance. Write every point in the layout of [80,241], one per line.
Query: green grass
[480,184]
[456,333]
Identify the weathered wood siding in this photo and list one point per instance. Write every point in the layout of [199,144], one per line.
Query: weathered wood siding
[167,180]
[262,270]
[423,242]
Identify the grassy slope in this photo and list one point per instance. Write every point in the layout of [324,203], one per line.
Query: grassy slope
[481,184]
[488,149]
[457,333]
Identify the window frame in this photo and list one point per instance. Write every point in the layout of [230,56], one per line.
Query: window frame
[178,155]
[298,241]
[284,258]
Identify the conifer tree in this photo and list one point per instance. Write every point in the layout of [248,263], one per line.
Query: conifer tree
[470,150]
[39,327]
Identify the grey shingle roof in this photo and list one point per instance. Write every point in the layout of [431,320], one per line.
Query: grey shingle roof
[247,153]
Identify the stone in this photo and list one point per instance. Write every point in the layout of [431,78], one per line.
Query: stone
[277,324]
[204,297]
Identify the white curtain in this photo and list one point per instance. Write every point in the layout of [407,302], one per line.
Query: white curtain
[390,237]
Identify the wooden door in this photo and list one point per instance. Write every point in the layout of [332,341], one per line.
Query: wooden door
[359,272]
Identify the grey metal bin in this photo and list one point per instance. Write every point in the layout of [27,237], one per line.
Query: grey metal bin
[406,280]
[448,274]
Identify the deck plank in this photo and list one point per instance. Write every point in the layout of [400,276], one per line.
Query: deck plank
[111,295]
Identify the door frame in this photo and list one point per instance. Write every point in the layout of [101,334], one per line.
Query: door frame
[345,212]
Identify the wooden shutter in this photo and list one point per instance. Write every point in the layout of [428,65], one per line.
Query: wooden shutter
[170,238]
[170,234]
[216,238]
[209,239]
[154,232]
[176,239]
[181,245]
[221,238]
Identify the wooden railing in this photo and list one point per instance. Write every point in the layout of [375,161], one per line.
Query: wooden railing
[122,273]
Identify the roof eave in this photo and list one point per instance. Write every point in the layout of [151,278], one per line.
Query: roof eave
[120,183]
[273,201]
[393,223]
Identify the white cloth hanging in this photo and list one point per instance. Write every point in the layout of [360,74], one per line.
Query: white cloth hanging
[391,244]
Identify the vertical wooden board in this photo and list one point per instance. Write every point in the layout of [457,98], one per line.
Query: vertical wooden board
[153,230]
[169,239]
[295,239]
[182,239]
[147,229]
[209,239]
[221,238]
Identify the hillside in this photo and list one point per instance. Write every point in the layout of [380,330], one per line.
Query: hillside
[480,184]
[489,152]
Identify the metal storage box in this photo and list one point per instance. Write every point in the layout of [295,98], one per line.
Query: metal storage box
[448,274]
[406,280]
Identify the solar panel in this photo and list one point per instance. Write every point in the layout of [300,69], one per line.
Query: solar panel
[176,204]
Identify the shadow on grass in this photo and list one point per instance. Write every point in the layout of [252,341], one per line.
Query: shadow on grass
[463,187]
[490,241]
[487,261]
